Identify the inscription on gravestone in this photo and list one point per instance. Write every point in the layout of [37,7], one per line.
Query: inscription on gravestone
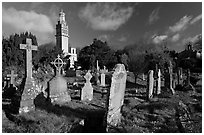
[116,96]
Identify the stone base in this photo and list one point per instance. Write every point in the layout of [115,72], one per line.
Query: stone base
[60,98]
[30,91]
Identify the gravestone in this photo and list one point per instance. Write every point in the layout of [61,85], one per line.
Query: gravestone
[150,84]
[188,84]
[103,77]
[31,88]
[58,85]
[143,77]
[87,90]
[158,82]
[12,76]
[116,96]
[169,78]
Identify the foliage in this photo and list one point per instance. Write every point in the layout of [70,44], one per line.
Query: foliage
[12,55]
[98,50]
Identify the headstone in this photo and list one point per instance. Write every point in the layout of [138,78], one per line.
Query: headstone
[150,84]
[169,78]
[103,77]
[189,86]
[31,88]
[116,96]
[143,77]
[158,82]
[58,85]
[97,66]
[12,76]
[87,90]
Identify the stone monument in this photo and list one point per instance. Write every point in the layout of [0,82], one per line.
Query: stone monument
[58,92]
[87,90]
[31,88]
[12,76]
[150,84]
[116,96]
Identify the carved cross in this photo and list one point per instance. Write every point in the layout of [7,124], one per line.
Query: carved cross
[28,47]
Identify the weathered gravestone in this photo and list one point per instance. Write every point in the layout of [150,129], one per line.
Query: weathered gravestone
[58,85]
[103,77]
[87,90]
[169,78]
[12,76]
[188,84]
[116,96]
[150,84]
[31,88]
[158,86]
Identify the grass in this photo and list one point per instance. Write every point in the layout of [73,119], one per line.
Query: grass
[161,115]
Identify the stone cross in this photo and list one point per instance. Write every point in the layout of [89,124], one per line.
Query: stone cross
[29,47]
[31,89]
[58,63]
[116,96]
[12,76]
[150,84]
[87,90]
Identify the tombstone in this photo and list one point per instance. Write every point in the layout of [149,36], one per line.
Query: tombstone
[103,77]
[150,84]
[6,82]
[116,96]
[169,78]
[143,77]
[158,82]
[12,76]
[188,82]
[87,90]
[97,66]
[58,84]
[31,88]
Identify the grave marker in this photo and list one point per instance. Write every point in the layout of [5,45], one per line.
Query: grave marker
[31,88]
[12,76]
[169,78]
[87,90]
[158,82]
[116,96]
[58,85]
[150,84]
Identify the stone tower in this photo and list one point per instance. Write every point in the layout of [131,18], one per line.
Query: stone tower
[62,33]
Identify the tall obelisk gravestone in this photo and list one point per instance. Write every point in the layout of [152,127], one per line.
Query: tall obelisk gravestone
[30,88]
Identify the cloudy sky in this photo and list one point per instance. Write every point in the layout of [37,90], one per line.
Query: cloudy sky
[119,24]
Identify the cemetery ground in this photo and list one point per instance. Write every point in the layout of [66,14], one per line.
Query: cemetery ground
[166,113]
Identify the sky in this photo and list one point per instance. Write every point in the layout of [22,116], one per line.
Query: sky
[118,23]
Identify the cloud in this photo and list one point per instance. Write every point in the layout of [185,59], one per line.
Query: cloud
[196,19]
[154,16]
[105,16]
[122,39]
[191,39]
[21,21]
[104,37]
[175,38]
[181,24]
[159,39]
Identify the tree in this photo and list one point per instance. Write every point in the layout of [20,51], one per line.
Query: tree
[12,56]
[98,50]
